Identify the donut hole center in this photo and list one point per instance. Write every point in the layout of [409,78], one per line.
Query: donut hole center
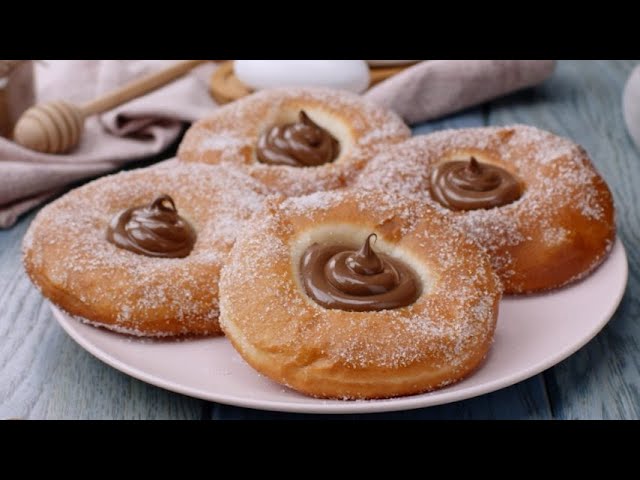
[346,237]
[278,144]
[473,180]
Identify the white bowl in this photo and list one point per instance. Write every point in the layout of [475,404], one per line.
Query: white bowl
[352,75]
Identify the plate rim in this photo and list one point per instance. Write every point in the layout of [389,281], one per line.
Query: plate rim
[358,406]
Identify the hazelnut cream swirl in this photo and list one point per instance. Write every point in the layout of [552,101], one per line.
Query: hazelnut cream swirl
[337,277]
[462,185]
[155,230]
[299,144]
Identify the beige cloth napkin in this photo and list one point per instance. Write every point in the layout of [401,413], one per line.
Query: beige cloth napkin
[436,88]
[149,124]
[138,129]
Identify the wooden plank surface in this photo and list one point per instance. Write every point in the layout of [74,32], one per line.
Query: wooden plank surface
[44,374]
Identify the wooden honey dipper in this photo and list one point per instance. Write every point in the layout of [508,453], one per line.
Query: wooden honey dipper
[56,127]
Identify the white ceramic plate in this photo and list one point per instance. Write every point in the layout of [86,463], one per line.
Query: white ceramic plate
[533,334]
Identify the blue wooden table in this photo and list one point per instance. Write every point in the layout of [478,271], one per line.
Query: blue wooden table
[45,374]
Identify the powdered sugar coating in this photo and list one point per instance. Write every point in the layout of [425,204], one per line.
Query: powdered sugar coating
[284,334]
[67,254]
[231,133]
[565,204]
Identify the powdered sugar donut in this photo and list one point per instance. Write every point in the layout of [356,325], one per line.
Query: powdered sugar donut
[295,140]
[312,300]
[140,252]
[532,199]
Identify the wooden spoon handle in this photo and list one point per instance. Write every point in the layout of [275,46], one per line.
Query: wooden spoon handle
[138,87]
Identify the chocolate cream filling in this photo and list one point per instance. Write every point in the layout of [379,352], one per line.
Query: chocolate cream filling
[471,185]
[300,144]
[337,277]
[154,230]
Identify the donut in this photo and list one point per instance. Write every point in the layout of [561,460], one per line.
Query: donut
[353,296]
[295,140]
[531,199]
[140,252]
